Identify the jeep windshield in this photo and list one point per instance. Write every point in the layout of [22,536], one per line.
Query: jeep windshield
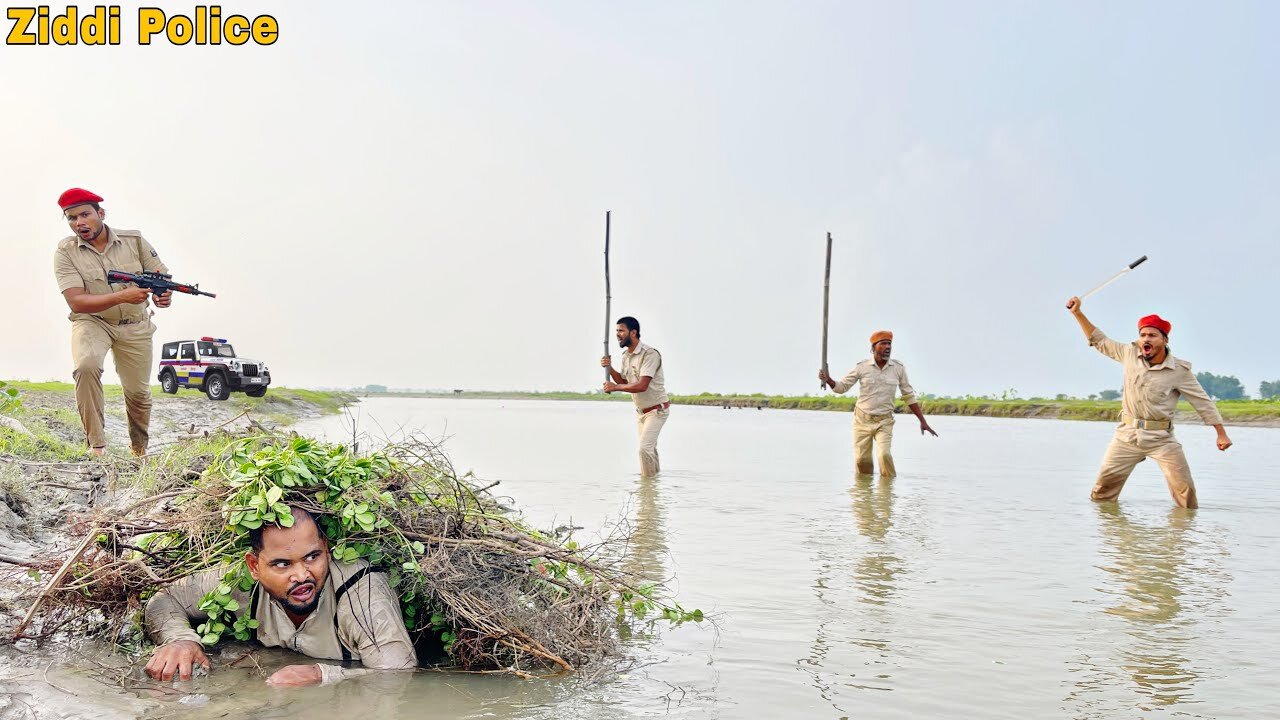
[216,350]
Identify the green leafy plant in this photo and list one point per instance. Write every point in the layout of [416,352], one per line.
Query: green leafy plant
[10,399]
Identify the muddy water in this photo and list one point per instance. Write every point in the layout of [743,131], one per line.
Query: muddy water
[979,583]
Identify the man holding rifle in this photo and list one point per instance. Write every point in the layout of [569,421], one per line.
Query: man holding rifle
[1153,382]
[107,316]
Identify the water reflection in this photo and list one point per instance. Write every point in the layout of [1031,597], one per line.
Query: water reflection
[877,569]
[648,542]
[1164,580]
[851,647]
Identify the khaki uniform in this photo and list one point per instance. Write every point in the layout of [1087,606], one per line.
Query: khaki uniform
[873,413]
[1150,397]
[644,361]
[357,618]
[125,330]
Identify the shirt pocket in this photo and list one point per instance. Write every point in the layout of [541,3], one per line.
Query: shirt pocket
[95,280]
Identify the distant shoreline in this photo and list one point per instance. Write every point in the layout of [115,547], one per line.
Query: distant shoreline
[1241,413]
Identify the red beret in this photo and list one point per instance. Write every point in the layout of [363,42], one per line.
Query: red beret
[879,335]
[1156,322]
[77,196]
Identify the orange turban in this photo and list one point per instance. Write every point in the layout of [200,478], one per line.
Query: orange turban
[879,335]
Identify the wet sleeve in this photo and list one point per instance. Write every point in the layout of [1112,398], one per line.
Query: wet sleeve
[170,611]
[843,385]
[904,386]
[1107,346]
[65,273]
[1191,389]
[371,625]
[151,261]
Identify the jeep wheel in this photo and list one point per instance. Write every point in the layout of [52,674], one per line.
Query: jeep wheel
[256,392]
[216,387]
[168,382]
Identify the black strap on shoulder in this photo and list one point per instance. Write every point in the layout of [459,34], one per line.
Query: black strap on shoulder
[337,598]
[253,603]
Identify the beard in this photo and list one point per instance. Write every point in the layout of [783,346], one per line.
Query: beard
[624,342]
[303,608]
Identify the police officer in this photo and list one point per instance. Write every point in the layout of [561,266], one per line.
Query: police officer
[641,376]
[1153,382]
[105,316]
[873,413]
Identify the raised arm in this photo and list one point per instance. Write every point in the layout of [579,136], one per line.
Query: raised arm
[1096,337]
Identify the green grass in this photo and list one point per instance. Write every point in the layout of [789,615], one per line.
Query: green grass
[41,445]
[328,402]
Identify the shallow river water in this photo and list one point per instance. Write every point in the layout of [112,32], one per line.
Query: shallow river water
[981,582]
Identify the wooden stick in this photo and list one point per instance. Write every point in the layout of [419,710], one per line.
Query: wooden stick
[608,297]
[826,304]
[53,584]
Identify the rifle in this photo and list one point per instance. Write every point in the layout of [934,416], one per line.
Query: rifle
[156,282]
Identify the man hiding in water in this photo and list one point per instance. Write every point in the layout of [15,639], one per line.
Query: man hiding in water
[302,599]
[1153,382]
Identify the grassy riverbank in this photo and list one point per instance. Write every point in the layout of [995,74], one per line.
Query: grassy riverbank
[48,411]
[1234,412]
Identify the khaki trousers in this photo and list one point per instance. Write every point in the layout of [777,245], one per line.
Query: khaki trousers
[649,425]
[130,347]
[869,429]
[1131,446]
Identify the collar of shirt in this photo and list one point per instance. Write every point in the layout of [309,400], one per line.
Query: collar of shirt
[1167,363]
[638,349]
[112,238]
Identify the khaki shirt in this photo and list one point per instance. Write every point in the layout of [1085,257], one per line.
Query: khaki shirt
[645,362]
[1151,392]
[76,264]
[368,623]
[876,385]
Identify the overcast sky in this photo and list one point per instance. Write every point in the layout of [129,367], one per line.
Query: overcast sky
[415,195]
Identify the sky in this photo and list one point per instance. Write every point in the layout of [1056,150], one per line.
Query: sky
[413,194]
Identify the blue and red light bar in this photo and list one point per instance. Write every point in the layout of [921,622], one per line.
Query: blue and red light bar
[209,339]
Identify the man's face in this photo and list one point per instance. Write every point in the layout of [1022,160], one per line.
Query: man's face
[293,565]
[626,338]
[883,349]
[85,221]
[1151,342]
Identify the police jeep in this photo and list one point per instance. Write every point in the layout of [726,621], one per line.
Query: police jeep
[211,365]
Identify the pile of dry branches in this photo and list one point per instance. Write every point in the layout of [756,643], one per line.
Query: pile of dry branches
[472,576]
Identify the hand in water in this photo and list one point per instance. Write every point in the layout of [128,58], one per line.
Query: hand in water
[296,676]
[177,658]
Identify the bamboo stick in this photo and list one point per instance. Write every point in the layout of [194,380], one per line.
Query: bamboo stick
[826,304]
[608,296]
